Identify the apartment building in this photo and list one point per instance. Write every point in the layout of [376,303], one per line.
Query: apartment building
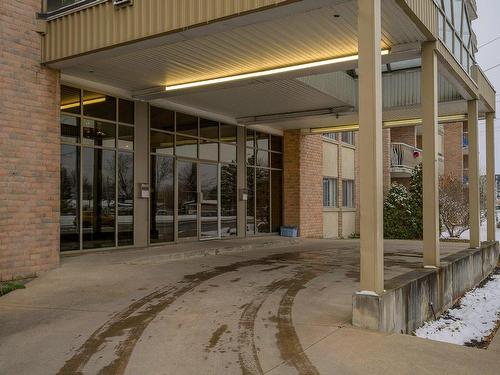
[147,123]
[340,213]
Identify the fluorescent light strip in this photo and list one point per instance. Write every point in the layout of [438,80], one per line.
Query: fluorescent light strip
[266,72]
[85,102]
[387,124]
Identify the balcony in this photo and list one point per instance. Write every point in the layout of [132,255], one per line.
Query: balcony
[403,159]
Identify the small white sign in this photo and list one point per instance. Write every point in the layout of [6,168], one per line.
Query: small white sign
[144,190]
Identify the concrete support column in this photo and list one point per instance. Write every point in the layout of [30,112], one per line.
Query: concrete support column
[474,207]
[430,136]
[490,176]
[370,147]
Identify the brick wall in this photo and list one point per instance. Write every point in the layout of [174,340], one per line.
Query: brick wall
[29,147]
[404,134]
[302,183]
[452,149]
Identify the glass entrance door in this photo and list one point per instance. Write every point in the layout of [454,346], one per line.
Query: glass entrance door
[187,200]
[209,201]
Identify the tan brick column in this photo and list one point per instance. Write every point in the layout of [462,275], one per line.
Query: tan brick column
[29,147]
[303,182]
[453,150]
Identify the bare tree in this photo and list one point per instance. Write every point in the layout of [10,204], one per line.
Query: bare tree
[453,205]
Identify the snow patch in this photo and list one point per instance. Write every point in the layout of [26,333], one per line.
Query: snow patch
[474,319]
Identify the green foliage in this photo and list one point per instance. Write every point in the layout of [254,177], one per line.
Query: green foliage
[403,209]
[9,286]
[396,212]
[416,201]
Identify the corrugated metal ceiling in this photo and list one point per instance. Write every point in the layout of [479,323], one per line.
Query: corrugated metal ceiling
[300,38]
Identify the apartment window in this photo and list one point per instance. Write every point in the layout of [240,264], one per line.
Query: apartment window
[347,137]
[330,192]
[332,136]
[348,193]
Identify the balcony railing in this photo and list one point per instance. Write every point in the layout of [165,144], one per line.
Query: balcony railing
[404,158]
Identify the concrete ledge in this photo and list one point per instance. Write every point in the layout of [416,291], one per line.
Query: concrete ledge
[409,299]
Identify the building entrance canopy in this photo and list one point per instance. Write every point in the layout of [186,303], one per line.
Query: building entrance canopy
[293,65]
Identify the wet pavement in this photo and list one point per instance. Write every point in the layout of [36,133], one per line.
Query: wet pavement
[283,307]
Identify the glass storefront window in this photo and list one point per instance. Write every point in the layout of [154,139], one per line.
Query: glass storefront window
[162,119]
[187,202]
[251,201]
[227,153]
[276,143]
[264,185]
[126,111]
[70,202]
[250,156]
[70,100]
[98,198]
[99,105]
[162,143]
[262,140]
[96,207]
[262,200]
[162,199]
[276,160]
[70,129]
[126,137]
[262,158]
[125,199]
[186,147]
[276,200]
[250,138]
[209,150]
[98,133]
[209,129]
[228,133]
[186,124]
[229,200]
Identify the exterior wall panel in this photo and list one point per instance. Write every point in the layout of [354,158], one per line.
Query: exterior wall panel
[104,25]
[426,12]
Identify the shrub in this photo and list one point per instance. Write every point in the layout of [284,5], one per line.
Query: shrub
[403,209]
[453,206]
[397,213]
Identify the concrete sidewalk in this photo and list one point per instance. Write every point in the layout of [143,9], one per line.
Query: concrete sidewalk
[264,306]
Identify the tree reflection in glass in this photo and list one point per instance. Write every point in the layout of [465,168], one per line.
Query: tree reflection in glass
[162,199]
